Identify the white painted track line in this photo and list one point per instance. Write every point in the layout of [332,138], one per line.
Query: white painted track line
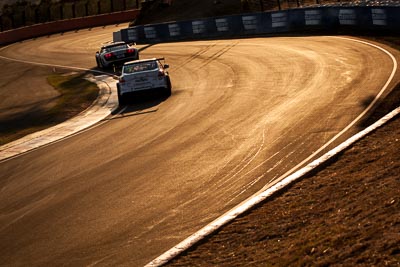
[287,178]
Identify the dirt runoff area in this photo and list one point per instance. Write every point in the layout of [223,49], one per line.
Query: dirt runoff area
[347,214]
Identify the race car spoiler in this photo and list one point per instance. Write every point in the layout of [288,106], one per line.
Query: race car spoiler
[163,58]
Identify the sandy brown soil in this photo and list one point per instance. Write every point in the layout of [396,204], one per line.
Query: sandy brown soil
[348,214]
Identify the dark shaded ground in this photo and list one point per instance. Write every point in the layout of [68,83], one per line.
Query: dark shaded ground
[34,104]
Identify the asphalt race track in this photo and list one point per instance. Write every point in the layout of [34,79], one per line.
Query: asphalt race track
[242,113]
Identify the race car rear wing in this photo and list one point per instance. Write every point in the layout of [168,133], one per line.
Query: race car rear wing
[166,66]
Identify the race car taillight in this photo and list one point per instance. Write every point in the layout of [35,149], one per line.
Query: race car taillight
[121,80]
[130,51]
[108,55]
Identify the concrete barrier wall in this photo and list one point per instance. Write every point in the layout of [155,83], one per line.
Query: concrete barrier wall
[37,30]
[322,18]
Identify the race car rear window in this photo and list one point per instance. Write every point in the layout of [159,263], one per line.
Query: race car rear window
[141,66]
[115,48]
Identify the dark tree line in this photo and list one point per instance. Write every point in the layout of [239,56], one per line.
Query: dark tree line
[24,13]
[266,5]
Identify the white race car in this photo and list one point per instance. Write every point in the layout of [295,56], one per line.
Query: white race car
[141,75]
[115,53]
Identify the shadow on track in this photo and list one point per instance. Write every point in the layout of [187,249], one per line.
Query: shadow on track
[139,104]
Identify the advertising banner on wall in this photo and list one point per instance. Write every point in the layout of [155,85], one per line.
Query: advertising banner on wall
[379,16]
[150,32]
[198,27]
[279,19]
[313,17]
[174,30]
[249,23]
[133,35]
[222,24]
[347,17]
[329,18]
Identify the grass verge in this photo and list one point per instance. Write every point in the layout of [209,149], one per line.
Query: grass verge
[75,95]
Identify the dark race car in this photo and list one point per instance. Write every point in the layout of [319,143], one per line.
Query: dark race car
[115,53]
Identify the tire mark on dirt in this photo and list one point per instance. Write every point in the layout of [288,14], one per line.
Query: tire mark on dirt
[196,55]
[219,53]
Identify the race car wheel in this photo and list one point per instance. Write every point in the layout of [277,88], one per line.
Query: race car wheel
[121,98]
[168,90]
[98,63]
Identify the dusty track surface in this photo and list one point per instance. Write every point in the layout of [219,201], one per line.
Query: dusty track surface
[346,215]
[242,113]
